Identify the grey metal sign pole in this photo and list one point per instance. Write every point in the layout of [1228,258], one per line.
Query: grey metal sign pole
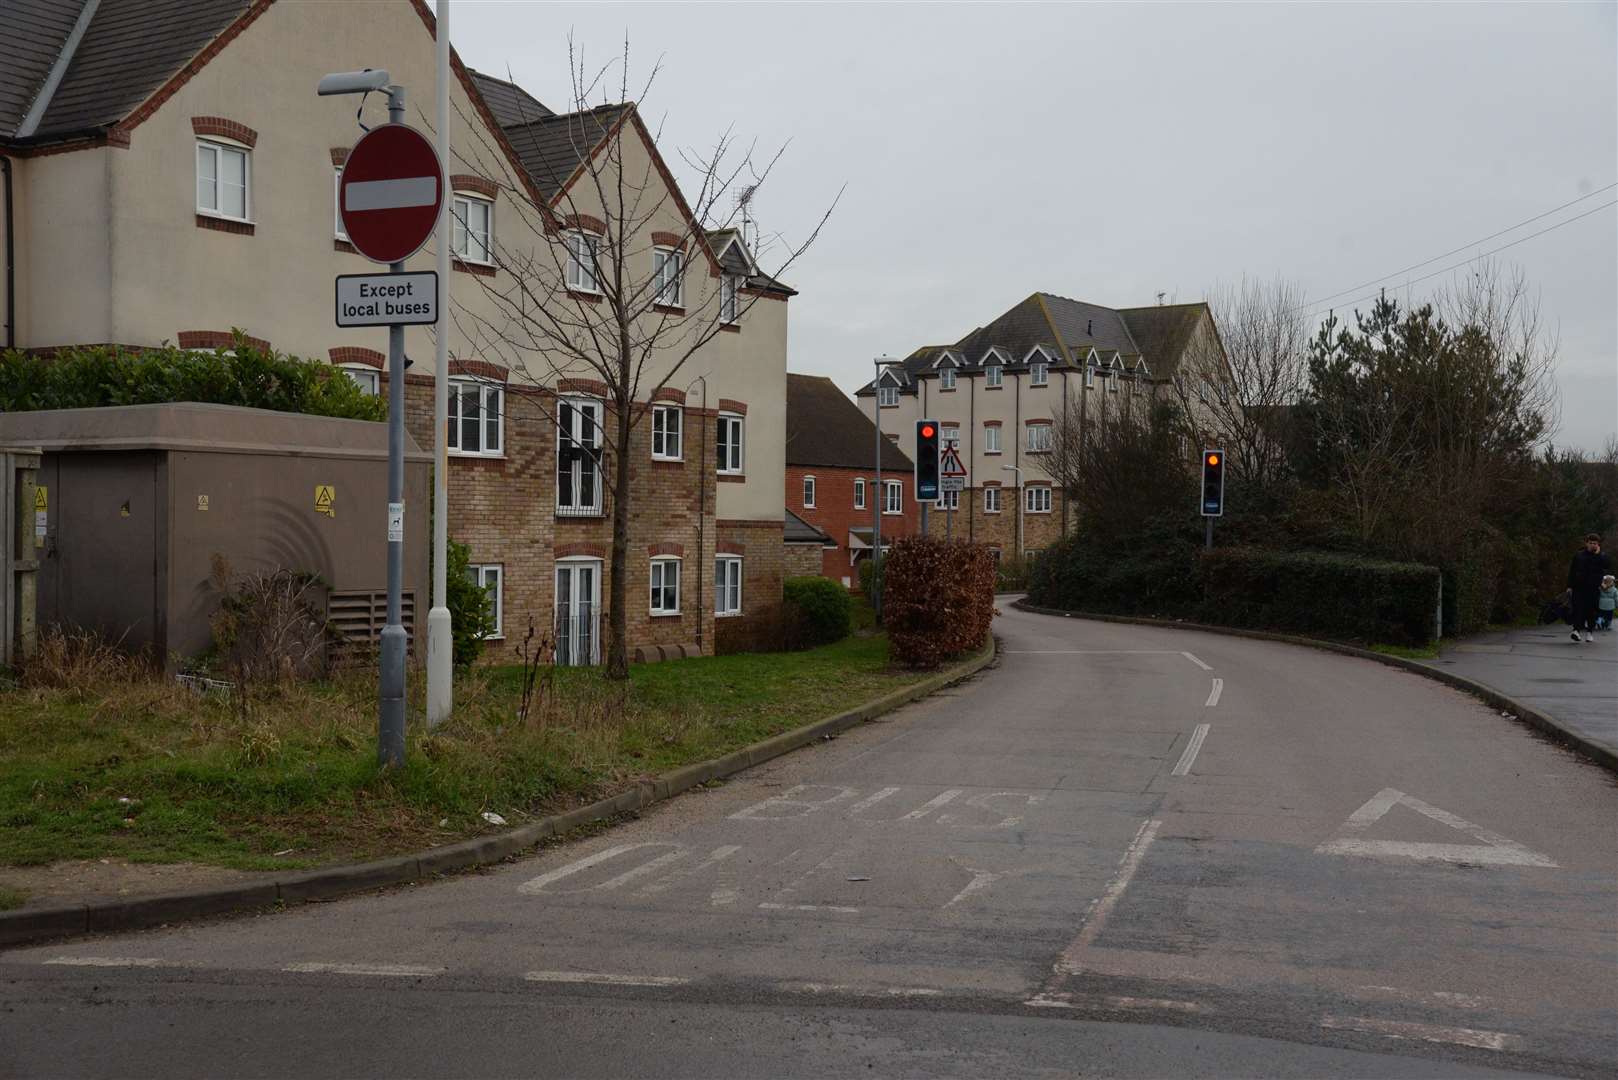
[390,736]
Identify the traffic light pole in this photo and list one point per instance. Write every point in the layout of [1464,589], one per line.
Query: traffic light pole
[1209,542]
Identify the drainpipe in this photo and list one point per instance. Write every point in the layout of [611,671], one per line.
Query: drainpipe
[11,258]
[702,499]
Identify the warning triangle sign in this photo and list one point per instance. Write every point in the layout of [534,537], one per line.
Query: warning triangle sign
[1491,848]
[949,462]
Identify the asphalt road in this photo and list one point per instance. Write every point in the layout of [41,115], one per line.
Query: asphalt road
[1124,851]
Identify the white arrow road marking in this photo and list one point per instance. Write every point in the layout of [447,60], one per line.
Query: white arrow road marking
[1213,695]
[1195,661]
[390,194]
[1492,847]
[1400,1029]
[1197,735]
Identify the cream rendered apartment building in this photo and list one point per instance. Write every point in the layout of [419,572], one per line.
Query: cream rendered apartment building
[1001,390]
[171,177]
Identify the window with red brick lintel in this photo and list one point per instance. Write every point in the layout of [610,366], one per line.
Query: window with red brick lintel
[215,340]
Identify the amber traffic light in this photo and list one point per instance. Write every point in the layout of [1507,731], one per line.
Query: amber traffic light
[1213,483]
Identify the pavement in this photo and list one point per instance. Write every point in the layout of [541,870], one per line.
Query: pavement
[1123,851]
[1574,684]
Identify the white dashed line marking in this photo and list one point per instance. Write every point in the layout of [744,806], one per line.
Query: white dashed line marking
[1213,695]
[810,907]
[1448,997]
[1067,1001]
[857,991]
[1195,661]
[110,961]
[604,978]
[1198,734]
[1402,1029]
[397,971]
[1067,963]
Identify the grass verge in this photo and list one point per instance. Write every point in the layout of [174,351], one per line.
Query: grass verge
[1425,652]
[128,766]
[11,898]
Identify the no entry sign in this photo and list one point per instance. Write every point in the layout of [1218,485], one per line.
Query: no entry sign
[390,194]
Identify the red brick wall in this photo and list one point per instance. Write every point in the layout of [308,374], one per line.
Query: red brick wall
[834,512]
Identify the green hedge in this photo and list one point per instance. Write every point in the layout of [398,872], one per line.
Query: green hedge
[1156,575]
[1321,594]
[824,608]
[91,378]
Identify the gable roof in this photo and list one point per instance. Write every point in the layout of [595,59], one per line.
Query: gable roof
[1164,331]
[509,103]
[553,147]
[129,49]
[825,428]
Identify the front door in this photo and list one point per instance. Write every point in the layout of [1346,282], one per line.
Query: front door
[578,587]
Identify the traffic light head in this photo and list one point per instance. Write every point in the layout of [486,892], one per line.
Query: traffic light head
[926,460]
[1213,483]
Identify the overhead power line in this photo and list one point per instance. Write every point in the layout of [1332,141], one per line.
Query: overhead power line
[1479,255]
[1470,244]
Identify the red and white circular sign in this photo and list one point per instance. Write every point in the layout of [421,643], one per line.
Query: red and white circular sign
[390,193]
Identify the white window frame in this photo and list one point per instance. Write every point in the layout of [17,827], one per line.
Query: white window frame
[659,582]
[220,147]
[668,439]
[809,492]
[733,464]
[1041,445]
[1089,376]
[730,293]
[893,497]
[487,389]
[461,228]
[480,576]
[887,397]
[859,493]
[727,600]
[669,284]
[1037,499]
[337,205]
[991,439]
[371,386]
[580,408]
[1202,391]
[948,500]
[1039,373]
[991,500]
[994,377]
[949,433]
[946,379]
[1112,381]
[581,275]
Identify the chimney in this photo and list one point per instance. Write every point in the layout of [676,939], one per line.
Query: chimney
[1090,326]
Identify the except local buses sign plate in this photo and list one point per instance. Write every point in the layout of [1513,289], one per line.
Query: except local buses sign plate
[387,299]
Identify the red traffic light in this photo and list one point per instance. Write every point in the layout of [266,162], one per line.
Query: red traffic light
[927,431]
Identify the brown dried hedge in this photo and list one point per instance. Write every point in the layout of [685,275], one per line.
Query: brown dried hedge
[937,599]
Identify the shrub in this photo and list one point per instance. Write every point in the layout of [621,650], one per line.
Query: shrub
[471,612]
[270,630]
[937,598]
[1011,575]
[776,628]
[1154,574]
[823,608]
[868,576]
[88,378]
[1320,593]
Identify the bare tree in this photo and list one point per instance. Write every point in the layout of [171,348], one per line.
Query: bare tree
[610,278]
[1237,386]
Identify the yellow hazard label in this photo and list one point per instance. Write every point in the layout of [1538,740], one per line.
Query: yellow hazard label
[326,499]
[202,502]
[42,499]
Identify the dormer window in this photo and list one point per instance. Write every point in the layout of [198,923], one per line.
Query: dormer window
[993,376]
[887,396]
[946,379]
[729,296]
[1038,373]
[1089,376]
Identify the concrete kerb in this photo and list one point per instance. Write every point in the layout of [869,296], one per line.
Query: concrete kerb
[44,924]
[1547,725]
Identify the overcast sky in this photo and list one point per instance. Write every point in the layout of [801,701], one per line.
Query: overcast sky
[1111,152]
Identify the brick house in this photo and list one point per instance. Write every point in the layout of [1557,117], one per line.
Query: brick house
[1001,390]
[184,198]
[831,480]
